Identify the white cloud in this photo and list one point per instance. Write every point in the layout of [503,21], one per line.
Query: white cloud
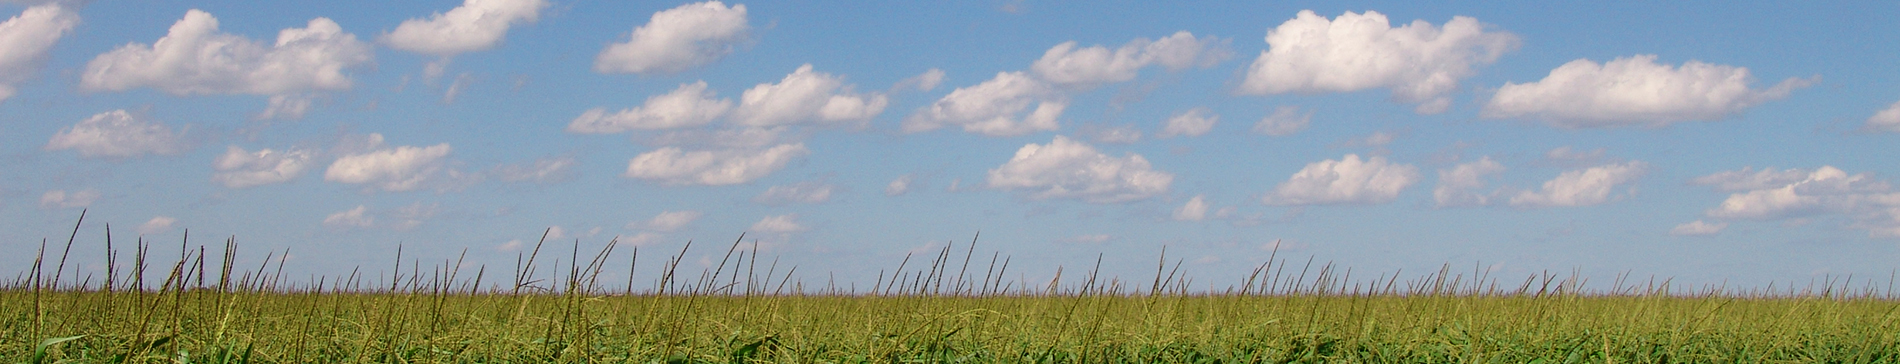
[1886,120]
[1634,91]
[921,82]
[474,26]
[118,134]
[25,39]
[1065,64]
[1698,228]
[1420,62]
[677,39]
[67,200]
[1194,210]
[544,170]
[353,218]
[803,192]
[1285,121]
[194,58]
[455,87]
[285,107]
[778,224]
[1193,122]
[1375,140]
[1069,169]
[741,137]
[898,186]
[1459,185]
[998,107]
[673,166]
[1870,203]
[1122,134]
[806,96]
[157,224]
[667,221]
[402,168]
[1348,180]
[238,168]
[1747,179]
[1584,187]
[688,106]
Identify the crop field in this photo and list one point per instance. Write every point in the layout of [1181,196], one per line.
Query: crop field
[946,307]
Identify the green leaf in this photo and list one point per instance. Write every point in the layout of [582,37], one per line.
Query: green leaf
[39,352]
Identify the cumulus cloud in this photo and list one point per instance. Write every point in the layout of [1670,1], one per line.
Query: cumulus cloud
[1348,180]
[353,218]
[25,39]
[667,221]
[66,200]
[402,168]
[1458,186]
[238,168]
[778,224]
[806,96]
[803,192]
[1871,204]
[1634,91]
[1748,179]
[898,186]
[1584,187]
[1068,65]
[1698,228]
[118,134]
[1285,121]
[544,170]
[998,107]
[1194,210]
[1068,169]
[687,106]
[157,224]
[474,26]
[673,166]
[921,82]
[1193,122]
[1420,62]
[194,58]
[677,39]
[1886,120]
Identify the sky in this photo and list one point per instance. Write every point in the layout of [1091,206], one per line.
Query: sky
[1740,144]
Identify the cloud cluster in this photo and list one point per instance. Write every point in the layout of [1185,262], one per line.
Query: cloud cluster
[25,39]
[1459,185]
[1420,62]
[1067,65]
[474,26]
[1584,187]
[806,96]
[1348,180]
[1068,169]
[677,39]
[1193,122]
[238,168]
[1634,91]
[118,134]
[194,58]
[998,107]
[66,200]
[673,166]
[403,168]
[688,106]
[1774,195]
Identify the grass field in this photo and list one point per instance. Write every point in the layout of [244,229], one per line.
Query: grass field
[946,309]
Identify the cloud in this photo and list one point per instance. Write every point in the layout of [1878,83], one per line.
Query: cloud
[476,25]
[1285,121]
[999,107]
[1069,169]
[677,39]
[806,96]
[778,224]
[1122,134]
[353,218]
[1571,157]
[1420,62]
[1871,204]
[673,166]
[409,217]
[1194,210]
[667,221]
[922,82]
[898,186]
[1458,186]
[25,39]
[285,107]
[1698,228]
[1747,179]
[1348,180]
[544,170]
[1582,187]
[1634,91]
[194,58]
[1193,122]
[66,200]
[1886,120]
[687,106]
[1067,65]
[1376,139]
[157,224]
[402,168]
[238,168]
[740,137]
[803,192]
[118,134]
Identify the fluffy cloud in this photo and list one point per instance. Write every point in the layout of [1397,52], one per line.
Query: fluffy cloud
[1698,228]
[804,192]
[1192,122]
[1634,91]
[1068,169]
[401,168]
[474,26]
[157,224]
[24,40]
[778,224]
[922,82]
[238,168]
[1886,120]
[1420,62]
[1285,121]
[667,221]
[995,108]
[673,166]
[677,39]
[688,106]
[194,58]
[805,96]
[1194,210]
[898,186]
[1066,64]
[353,218]
[67,200]
[1458,186]
[1348,180]
[1772,195]
[544,170]
[118,134]
[1585,187]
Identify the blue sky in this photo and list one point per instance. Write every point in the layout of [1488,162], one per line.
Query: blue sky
[1710,142]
